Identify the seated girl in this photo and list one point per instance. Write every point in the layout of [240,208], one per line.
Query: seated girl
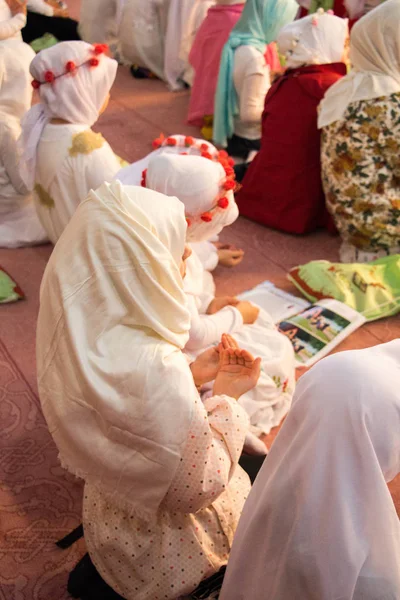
[211,253]
[360,124]
[205,186]
[62,157]
[282,187]
[163,488]
[244,76]
[319,522]
[205,57]
[19,223]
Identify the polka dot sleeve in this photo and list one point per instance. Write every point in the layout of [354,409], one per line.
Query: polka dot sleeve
[211,454]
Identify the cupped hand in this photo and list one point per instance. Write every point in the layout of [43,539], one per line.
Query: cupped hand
[230,258]
[220,303]
[238,373]
[205,367]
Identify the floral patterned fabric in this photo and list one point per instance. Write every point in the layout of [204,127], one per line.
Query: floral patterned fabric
[361,174]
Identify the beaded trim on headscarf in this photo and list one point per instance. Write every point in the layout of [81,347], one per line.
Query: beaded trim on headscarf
[228,183]
[314,23]
[71,67]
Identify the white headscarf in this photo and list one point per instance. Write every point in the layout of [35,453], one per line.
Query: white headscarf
[320,522]
[15,79]
[76,96]
[199,183]
[314,40]
[374,53]
[115,388]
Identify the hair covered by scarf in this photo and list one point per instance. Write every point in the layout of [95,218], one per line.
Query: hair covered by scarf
[73,79]
[259,25]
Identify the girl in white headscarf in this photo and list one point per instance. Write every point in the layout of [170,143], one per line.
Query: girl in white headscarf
[62,158]
[360,122]
[319,522]
[205,187]
[19,223]
[163,488]
[211,253]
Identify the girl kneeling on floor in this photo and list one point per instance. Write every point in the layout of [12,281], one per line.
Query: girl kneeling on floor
[163,491]
[62,157]
[205,187]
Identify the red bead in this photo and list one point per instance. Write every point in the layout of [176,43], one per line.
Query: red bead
[206,217]
[206,155]
[223,203]
[100,48]
[189,141]
[204,147]
[231,162]
[229,184]
[94,62]
[229,171]
[171,141]
[223,154]
[35,84]
[49,77]
[70,66]
[157,143]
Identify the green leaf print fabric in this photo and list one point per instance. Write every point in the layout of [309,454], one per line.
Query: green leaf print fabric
[9,289]
[373,289]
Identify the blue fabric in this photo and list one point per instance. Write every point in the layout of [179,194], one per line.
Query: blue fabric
[260,23]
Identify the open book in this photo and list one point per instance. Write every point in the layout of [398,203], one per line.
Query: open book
[313,329]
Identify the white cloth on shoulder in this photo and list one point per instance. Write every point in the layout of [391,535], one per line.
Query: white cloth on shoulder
[76,97]
[112,324]
[320,522]
[19,223]
[314,40]
[374,53]
[10,25]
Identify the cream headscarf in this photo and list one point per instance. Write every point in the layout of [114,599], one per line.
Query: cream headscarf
[200,184]
[73,79]
[319,522]
[314,40]
[374,53]
[115,388]
[15,80]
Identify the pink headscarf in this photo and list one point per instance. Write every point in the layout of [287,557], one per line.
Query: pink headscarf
[205,56]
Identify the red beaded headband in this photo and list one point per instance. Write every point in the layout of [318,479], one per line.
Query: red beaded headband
[221,157]
[71,67]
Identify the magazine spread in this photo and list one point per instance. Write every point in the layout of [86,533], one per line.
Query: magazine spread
[314,329]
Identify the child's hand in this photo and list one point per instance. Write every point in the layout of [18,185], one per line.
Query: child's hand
[206,365]
[248,311]
[220,303]
[17,6]
[230,258]
[238,373]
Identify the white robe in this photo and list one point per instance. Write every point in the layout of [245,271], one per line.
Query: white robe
[270,400]
[71,161]
[142,33]
[319,523]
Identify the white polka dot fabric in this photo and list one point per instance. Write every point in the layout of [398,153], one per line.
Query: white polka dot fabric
[191,535]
